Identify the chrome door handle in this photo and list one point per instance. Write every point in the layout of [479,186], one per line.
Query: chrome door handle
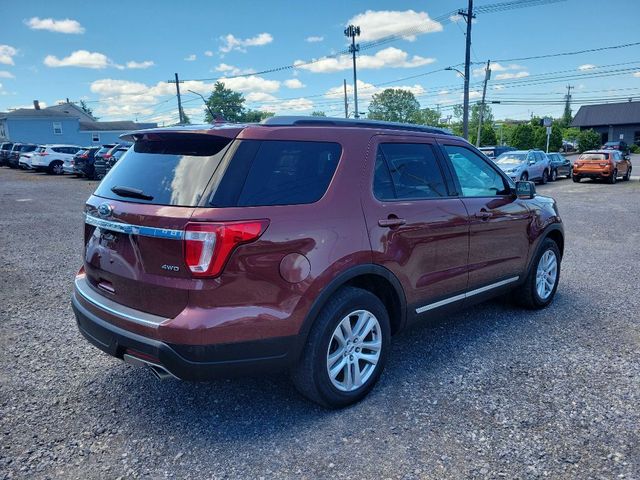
[391,222]
[483,215]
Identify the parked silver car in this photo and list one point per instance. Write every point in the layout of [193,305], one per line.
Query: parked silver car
[531,165]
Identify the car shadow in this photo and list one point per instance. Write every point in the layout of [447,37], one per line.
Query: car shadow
[242,409]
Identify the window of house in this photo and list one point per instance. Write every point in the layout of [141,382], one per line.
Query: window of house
[95,137]
[57,128]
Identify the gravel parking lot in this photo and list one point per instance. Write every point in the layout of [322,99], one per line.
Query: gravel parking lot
[489,393]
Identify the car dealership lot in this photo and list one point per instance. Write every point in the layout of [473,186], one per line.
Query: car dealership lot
[490,392]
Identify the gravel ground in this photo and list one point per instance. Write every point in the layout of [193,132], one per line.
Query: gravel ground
[489,393]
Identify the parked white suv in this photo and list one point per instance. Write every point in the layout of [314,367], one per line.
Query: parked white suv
[25,159]
[52,158]
[525,165]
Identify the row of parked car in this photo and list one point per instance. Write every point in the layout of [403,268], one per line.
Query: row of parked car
[91,162]
[609,163]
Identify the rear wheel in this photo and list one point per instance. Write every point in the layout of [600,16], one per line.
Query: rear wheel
[576,178]
[554,175]
[545,177]
[524,177]
[627,176]
[614,176]
[346,349]
[542,280]
[55,168]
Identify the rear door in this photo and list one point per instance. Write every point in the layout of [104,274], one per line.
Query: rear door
[417,228]
[499,221]
[135,220]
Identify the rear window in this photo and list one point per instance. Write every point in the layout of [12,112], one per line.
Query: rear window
[192,170]
[594,156]
[28,148]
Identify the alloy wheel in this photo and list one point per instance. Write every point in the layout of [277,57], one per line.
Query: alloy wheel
[546,274]
[354,350]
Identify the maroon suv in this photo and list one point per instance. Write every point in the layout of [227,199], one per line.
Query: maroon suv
[301,243]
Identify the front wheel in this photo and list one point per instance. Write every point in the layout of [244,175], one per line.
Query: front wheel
[346,349]
[524,177]
[545,177]
[554,175]
[542,280]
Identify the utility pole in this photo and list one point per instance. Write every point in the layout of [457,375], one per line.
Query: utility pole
[353,32]
[177,81]
[487,76]
[566,116]
[468,16]
[346,101]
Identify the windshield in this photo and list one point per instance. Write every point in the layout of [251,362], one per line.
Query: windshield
[511,158]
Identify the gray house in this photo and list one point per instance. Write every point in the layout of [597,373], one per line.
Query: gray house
[613,121]
[65,123]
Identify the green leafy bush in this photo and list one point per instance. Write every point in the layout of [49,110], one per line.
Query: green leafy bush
[588,140]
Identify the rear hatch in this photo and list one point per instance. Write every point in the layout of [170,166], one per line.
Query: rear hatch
[593,161]
[135,221]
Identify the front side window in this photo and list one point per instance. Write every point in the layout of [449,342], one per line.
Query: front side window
[406,171]
[57,128]
[476,177]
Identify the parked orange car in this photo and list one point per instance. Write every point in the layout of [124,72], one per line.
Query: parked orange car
[604,164]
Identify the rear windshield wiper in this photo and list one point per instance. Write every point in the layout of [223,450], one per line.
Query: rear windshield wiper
[131,192]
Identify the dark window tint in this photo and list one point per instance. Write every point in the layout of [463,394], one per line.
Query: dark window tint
[275,173]
[28,148]
[476,176]
[173,169]
[414,172]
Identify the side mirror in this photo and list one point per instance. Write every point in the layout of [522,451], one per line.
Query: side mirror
[525,189]
[627,157]
[532,162]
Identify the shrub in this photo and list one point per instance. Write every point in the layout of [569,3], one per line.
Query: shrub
[588,140]
[634,148]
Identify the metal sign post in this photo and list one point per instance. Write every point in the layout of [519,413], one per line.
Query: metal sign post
[547,122]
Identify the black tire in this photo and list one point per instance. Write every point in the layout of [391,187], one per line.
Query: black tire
[526,295]
[554,175]
[55,168]
[576,178]
[545,178]
[310,376]
[524,177]
[613,178]
[627,176]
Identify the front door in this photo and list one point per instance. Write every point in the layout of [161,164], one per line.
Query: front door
[499,221]
[417,229]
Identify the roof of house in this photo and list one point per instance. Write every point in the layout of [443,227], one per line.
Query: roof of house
[72,109]
[33,113]
[115,126]
[607,114]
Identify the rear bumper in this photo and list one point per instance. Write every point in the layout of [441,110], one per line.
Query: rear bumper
[592,173]
[186,362]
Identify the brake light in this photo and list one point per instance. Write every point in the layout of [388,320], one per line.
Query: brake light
[43,154]
[106,155]
[208,246]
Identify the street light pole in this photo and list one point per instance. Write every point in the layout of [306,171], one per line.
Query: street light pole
[468,16]
[213,117]
[487,76]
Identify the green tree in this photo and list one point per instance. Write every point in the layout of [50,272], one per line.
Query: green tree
[522,136]
[487,135]
[427,116]
[185,118]
[394,105]
[588,140]
[254,116]
[225,103]
[318,113]
[87,109]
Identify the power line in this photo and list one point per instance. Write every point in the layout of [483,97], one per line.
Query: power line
[563,54]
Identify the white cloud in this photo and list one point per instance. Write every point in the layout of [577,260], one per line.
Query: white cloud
[140,65]
[498,87]
[376,24]
[636,74]
[251,83]
[443,92]
[586,66]
[474,94]
[5,74]
[294,105]
[240,44]
[293,83]
[368,90]
[390,57]
[232,70]
[314,39]
[496,67]
[190,58]
[259,97]
[7,52]
[509,76]
[79,58]
[208,53]
[60,26]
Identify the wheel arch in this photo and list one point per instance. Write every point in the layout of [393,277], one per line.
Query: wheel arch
[371,277]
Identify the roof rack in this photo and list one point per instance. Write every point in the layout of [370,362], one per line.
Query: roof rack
[347,122]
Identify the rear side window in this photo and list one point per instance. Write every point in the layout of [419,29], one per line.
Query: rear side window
[413,170]
[277,172]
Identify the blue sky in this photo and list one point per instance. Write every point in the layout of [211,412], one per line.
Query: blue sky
[118,55]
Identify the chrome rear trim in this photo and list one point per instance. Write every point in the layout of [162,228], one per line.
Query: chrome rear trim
[468,294]
[114,308]
[130,229]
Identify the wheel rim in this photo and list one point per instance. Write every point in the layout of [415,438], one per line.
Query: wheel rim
[57,169]
[547,274]
[554,175]
[354,350]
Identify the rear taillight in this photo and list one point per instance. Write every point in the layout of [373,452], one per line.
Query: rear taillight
[208,246]
[106,155]
[43,154]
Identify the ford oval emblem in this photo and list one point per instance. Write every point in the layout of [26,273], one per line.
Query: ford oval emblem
[104,209]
